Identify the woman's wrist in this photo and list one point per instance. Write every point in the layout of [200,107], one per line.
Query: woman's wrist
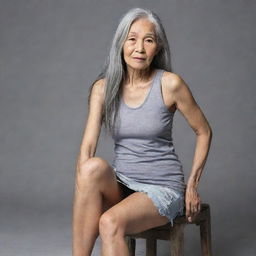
[192,184]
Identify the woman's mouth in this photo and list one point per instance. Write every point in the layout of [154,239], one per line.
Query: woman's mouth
[140,59]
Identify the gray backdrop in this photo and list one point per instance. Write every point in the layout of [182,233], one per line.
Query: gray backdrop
[51,51]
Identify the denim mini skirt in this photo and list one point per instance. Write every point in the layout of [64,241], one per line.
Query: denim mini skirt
[169,202]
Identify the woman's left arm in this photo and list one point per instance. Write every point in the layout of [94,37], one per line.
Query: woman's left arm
[187,105]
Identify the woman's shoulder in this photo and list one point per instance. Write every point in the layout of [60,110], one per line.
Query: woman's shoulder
[171,80]
[99,85]
[97,88]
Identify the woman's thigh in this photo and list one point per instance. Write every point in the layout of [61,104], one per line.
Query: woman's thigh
[134,214]
[123,192]
[97,174]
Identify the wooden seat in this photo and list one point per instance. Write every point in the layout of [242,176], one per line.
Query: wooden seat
[175,235]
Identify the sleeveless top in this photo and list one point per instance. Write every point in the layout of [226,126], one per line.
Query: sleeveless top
[143,143]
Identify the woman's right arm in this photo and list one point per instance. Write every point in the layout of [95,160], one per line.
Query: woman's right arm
[93,123]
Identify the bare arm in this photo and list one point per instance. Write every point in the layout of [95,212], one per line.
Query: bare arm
[93,123]
[187,105]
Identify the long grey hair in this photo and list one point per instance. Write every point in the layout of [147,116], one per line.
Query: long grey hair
[114,68]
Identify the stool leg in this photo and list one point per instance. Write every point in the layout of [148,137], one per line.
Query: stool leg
[205,234]
[177,240]
[151,245]
[131,243]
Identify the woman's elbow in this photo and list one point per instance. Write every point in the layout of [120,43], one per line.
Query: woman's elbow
[209,133]
[209,130]
[205,131]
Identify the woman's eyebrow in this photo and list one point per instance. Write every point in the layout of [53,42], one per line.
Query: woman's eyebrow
[148,34]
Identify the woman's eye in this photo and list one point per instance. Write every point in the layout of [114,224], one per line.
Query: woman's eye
[147,40]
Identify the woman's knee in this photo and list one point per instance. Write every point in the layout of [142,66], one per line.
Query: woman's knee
[92,167]
[110,226]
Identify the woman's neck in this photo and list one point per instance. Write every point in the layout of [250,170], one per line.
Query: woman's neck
[134,77]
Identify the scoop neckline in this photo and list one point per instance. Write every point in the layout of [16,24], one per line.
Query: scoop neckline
[147,96]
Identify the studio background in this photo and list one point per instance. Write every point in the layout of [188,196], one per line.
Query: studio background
[51,52]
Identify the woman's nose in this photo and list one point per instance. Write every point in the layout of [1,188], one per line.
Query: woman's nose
[140,46]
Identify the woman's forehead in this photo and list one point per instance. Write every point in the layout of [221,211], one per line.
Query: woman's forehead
[142,26]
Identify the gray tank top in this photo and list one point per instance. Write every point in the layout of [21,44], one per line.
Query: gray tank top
[144,149]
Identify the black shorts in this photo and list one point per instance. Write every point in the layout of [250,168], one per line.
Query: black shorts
[126,191]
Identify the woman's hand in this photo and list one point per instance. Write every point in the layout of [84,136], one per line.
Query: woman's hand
[193,203]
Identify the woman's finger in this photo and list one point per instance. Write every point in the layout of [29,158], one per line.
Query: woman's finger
[199,207]
[188,209]
[193,208]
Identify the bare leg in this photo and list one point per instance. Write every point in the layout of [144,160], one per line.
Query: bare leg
[96,188]
[133,214]
[114,246]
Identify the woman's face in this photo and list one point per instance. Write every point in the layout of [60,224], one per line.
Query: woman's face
[140,43]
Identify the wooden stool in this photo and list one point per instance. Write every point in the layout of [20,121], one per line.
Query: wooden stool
[175,235]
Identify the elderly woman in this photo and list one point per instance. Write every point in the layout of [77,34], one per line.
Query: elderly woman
[136,96]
